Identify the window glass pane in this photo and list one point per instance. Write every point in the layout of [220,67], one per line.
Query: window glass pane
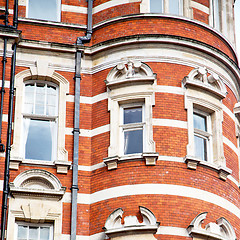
[29,98]
[133,141]
[156,6]
[51,100]
[132,115]
[44,233]
[33,233]
[216,14]
[200,147]
[39,140]
[43,9]
[22,232]
[174,7]
[200,122]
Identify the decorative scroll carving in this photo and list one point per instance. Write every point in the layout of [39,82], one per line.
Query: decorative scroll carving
[211,82]
[222,229]
[132,72]
[114,227]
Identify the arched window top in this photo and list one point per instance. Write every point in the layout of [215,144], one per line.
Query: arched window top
[41,97]
[37,182]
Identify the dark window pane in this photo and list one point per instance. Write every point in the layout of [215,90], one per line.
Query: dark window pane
[132,115]
[43,9]
[200,148]
[174,7]
[200,122]
[133,141]
[39,141]
[156,6]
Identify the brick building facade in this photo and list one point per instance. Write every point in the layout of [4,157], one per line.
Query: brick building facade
[119,119]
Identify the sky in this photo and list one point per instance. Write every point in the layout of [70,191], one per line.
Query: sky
[237,25]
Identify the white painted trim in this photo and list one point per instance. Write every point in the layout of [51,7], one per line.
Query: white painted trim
[169,89]
[9,10]
[169,123]
[229,112]
[106,128]
[1,185]
[176,231]
[22,2]
[89,100]
[75,9]
[200,7]
[5,117]
[231,178]
[110,4]
[170,158]
[155,189]
[89,132]
[91,168]
[6,83]
[162,230]
[230,144]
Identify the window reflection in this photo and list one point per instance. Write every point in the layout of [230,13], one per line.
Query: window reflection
[44,9]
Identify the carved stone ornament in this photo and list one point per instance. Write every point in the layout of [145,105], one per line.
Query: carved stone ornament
[201,78]
[114,227]
[222,229]
[131,73]
[192,163]
[150,159]
[37,183]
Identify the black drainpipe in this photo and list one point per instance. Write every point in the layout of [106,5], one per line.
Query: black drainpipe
[10,111]
[76,131]
[15,14]
[8,146]
[4,61]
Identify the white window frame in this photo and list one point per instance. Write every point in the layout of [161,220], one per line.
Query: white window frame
[41,71]
[133,126]
[205,134]
[58,11]
[43,117]
[165,7]
[120,82]
[39,225]
[216,13]
[184,5]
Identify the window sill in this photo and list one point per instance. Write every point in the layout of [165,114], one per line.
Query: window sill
[62,166]
[50,23]
[149,157]
[193,162]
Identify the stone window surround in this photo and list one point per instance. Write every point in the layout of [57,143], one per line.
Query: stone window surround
[28,203]
[40,72]
[120,91]
[203,95]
